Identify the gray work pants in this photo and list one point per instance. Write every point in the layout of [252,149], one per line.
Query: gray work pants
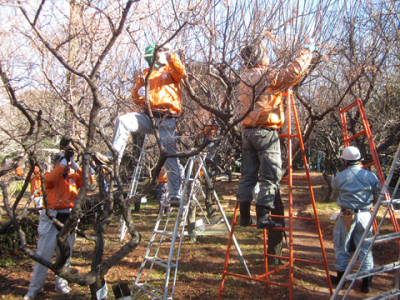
[46,244]
[341,241]
[261,159]
[140,123]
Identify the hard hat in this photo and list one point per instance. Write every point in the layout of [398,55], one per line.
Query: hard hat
[351,154]
[58,157]
[253,54]
[149,53]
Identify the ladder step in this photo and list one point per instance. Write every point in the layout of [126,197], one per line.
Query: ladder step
[386,237]
[166,233]
[385,295]
[394,201]
[159,262]
[374,271]
[150,290]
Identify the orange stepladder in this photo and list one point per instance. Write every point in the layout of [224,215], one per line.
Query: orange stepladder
[291,258]
[367,131]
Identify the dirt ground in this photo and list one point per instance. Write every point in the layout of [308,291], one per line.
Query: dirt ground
[201,264]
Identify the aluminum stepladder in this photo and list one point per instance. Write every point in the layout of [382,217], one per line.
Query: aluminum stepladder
[167,258]
[134,183]
[263,278]
[384,199]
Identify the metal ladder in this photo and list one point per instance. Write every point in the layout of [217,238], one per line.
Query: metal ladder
[375,239]
[165,260]
[134,183]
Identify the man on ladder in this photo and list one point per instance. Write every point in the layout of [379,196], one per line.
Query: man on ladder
[357,189]
[261,153]
[164,96]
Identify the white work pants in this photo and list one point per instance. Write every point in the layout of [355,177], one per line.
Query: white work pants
[140,123]
[45,248]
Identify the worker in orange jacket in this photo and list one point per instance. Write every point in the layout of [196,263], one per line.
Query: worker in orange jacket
[164,95]
[261,155]
[61,189]
[36,184]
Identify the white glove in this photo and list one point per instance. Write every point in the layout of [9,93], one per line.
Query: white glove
[73,164]
[64,162]
[141,92]
[312,48]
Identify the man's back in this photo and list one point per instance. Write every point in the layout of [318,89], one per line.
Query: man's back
[356,187]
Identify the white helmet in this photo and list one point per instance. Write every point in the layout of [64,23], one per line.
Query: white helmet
[351,154]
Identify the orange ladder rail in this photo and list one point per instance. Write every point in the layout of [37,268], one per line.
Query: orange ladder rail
[367,131]
[289,179]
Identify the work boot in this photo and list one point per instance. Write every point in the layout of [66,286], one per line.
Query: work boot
[263,220]
[366,285]
[245,218]
[336,279]
[174,201]
[103,159]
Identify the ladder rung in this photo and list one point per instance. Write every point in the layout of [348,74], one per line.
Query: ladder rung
[150,290]
[386,237]
[159,262]
[374,271]
[385,295]
[394,201]
[166,233]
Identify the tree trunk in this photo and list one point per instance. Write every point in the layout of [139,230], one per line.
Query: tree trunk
[275,236]
[96,287]
[329,194]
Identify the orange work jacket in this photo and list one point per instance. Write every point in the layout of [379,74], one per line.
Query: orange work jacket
[35,180]
[165,87]
[268,110]
[62,192]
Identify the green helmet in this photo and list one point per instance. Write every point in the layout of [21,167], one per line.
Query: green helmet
[149,54]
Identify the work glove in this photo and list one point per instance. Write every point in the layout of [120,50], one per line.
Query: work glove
[164,54]
[73,164]
[64,162]
[69,152]
[141,92]
[166,49]
[312,48]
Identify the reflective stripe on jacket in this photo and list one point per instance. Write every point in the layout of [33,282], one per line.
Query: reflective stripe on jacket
[61,193]
[268,110]
[165,87]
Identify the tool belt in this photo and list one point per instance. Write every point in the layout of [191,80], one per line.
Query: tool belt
[348,217]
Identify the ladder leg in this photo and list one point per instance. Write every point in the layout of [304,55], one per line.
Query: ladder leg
[224,272]
[134,183]
[241,258]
